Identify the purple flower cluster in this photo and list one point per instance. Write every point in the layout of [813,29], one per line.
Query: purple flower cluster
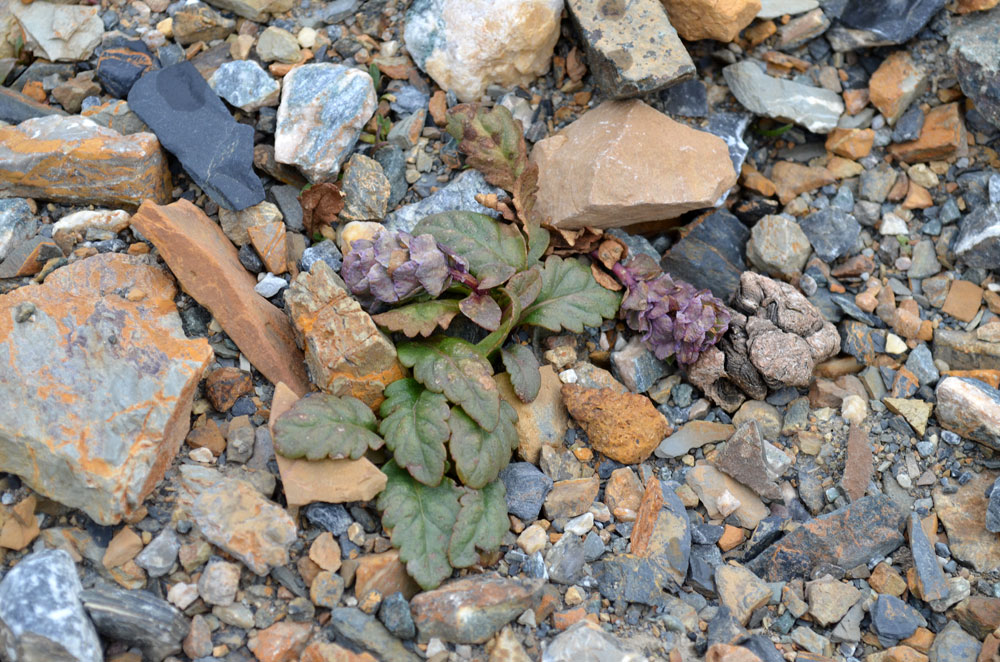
[395,266]
[674,318]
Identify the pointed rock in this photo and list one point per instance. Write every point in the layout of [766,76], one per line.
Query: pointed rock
[746,458]
[662,529]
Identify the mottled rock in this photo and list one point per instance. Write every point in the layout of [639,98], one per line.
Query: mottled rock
[975,50]
[278,45]
[711,19]
[778,246]
[740,591]
[978,241]
[526,488]
[17,224]
[611,35]
[661,168]
[194,125]
[569,498]
[692,435]
[116,115]
[208,267]
[634,579]
[138,618]
[246,85]
[624,426]
[459,195]
[953,644]
[119,67]
[895,84]
[829,600]
[963,515]
[195,22]
[323,108]
[662,529]
[73,228]
[637,367]
[942,136]
[121,418]
[748,458]
[255,10]
[710,254]
[815,108]
[366,189]
[970,408]
[467,45]
[73,160]
[541,422]
[586,640]
[159,555]
[471,610]
[281,642]
[58,32]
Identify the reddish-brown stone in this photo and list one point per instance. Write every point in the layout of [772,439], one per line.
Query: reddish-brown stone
[282,642]
[224,386]
[624,426]
[978,614]
[942,136]
[793,178]
[384,573]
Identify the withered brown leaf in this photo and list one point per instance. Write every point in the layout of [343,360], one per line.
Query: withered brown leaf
[320,205]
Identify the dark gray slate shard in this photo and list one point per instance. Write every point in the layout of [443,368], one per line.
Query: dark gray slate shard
[724,628]
[121,64]
[831,231]
[138,618]
[331,517]
[975,49]
[526,488]
[395,616]
[933,583]
[890,21]
[909,125]
[893,620]
[701,568]
[687,99]
[977,243]
[710,254]
[41,617]
[731,127]
[393,163]
[365,632]
[763,648]
[192,123]
[15,107]
[633,579]
[565,560]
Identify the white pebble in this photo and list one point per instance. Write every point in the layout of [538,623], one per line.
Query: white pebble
[580,525]
[568,376]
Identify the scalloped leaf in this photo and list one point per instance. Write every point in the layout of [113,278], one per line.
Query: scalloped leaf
[415,427]
[326,426]
[487,244]
[570,298]
[419,318]
[482,309]
[480,454]
[526,285]
[522,366]
[481,523]
[421,520]
[453,367]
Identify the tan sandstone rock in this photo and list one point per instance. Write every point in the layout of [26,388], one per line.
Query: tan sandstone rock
[721,20]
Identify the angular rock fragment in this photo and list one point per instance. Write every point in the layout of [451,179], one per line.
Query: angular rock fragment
[970,408]
[859,467]
[815,108]
[751,460]
[694,434]
[194,125]
[963,515]
[710,254]
[832,232]
[740,591]
[624,426]
[634,579]
[710,19]
[73,160]
[882,22]
[930,578]
[459,195]
[778,247]
[58,32]
[587,640]
[975,49]
[961,350]
[16,107]
[654,168]
[17,224]
[246,85]
[471,610]
[723,496]
[255,10]
[978,241]
[138,618]
[662,529]
[365,632]
[942,136]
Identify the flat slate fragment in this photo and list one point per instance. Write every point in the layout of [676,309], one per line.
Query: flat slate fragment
[138,618]
[194,125]
[710,254]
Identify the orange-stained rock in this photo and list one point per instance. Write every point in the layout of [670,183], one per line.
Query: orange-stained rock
[124,547]
[325,552]
[729,653]
[207,436]
[345,352]
[721,20]
[322,651]
[895,84]
[969,6]
[28,257]
[624,426]
[942,136]
[623,494]
[851,143]
[97,421]
[20,526]
[282,642]
[793,178]
[329,481]
[652,168]
[751,178]
[384,573]
[855,100]
[73,160]
[208,268]
[963,301]
[269,241]
[224,386]
[661,528]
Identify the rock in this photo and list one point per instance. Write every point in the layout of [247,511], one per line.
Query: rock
[778,246]
[740,591]
[255,10]
[711,254]
[930,578]
[17,224]
[231,514]
[963,515]
[459,195]
[895,84]
[778,8]
[237,224]
[586,640]
[609,36]
[652,178]
[116,476]
[993,510]
[978,241]
[323,108]
[662,529]
[851,143]
[137,618]
[395,615]
[526,488]
[692,435]
[159,555]
[74,228]
[219,582]
[119,67]
[704,19]
[207,265]
[116,115]
[383,573]
[471,610]
[885,21]
[123,547]
[634,579]
[276,44]
[859,467]
[626,427]
[41,614]
[968,407]
[73,160]
[541,422]
[281,642]
[942,136]
[916,412]
[637,367]
[747,457]
[832,232]
[978,614]
[467,46]
[830,599]
[16,107]
[974,49]
[393,163]
[270,242]
[867,528]
[814,108]
[623,494]
[58,32]
[366,190]
[953,644]
[197,22]
[893,620]
[565,560]
[790,179]
[569,498]
[219,155]
[722,496]
[244,84]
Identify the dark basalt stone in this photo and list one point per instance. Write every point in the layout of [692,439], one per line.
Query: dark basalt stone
[194,125]
[711,254]
[890,21]
[138,618]
[16,107]
[120,66]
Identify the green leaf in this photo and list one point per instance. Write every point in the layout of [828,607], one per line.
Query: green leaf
[421,520]
[419,318]
[415,427]
[492,140]
[482,309]
[526,285]
[481,240]
[570,298]
[522,366]
[482,521]
[480,454]
[495,340]
[322,425]
[453,367]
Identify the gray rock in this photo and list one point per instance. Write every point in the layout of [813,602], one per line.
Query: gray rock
[158,557]
[393,162]
[970,408]
[832,232]
[368,634]
[331,517]
[116,114]
[687,99]
[849,627]
[57,32]
[921,363]
[460,194]
[881,22]
[634,578]
[923,262]
[323,109]
[876,183]
[593,547]
[778,246]
[778,8]
[953,644]
[635,243]
[975,49]
[731,127]
[267,287]
[395,616]
[287,199]
[893,620]
[908,126]
[324,251]
[41,617]
[993,509]
[17,224]
[933,583]
[526,488]
[137,618]
[565,560]
[814,108]
[637,367]
[408,100]
[710,254]
[366,190]
[587,641]
[977,243]
[16,107]
[245,84]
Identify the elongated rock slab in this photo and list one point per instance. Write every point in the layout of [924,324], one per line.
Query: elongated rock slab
[208,267]
[103,384]
[815,108]
[74,160]
[138,618]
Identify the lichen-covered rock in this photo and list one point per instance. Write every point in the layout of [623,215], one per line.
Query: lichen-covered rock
[103,377]
[466,45]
